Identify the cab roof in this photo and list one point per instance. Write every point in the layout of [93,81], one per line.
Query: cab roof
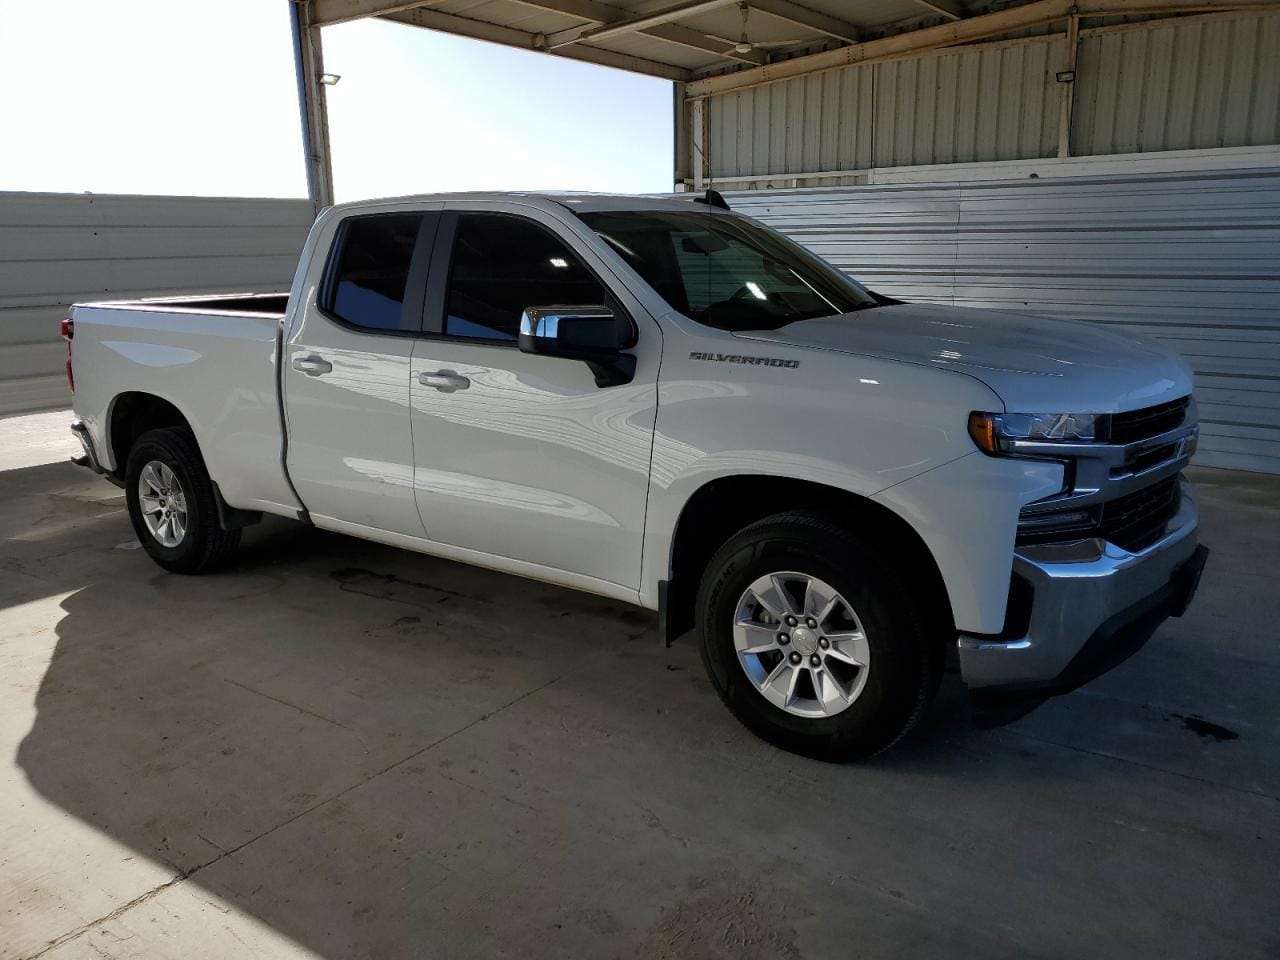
[578,202]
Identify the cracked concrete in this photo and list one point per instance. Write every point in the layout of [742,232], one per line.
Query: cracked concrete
[337,749]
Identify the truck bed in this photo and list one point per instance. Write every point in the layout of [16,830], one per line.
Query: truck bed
[214,358]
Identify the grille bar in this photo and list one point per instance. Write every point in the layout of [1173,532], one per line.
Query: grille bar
[1147,422]
[1132,522]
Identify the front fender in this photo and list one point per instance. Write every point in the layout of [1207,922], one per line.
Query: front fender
[966,512]
[857,424]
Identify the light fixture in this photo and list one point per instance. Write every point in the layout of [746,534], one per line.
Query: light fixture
[330,79]
[1066,76]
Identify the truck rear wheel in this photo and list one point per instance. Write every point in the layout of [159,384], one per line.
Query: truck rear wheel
[811,637]
[172,505]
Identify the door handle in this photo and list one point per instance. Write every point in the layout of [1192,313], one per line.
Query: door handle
[446,381]
[312,365]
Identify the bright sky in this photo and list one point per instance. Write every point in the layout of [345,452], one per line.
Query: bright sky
[179,97]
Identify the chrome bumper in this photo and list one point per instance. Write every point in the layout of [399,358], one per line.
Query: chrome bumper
[1086,598]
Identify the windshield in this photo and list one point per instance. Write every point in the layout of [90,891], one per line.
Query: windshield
[726,271]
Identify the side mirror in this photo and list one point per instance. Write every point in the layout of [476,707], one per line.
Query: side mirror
[592,334]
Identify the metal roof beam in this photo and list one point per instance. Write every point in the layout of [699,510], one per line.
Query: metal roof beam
[949,34]
[814,20]
[632,24]
[325,13]
[604,13]
[522,39]
[947,8]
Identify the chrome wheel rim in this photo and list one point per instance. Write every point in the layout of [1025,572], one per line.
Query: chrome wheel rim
[801,644]
[163,504]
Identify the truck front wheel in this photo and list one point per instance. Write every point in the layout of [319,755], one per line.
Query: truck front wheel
[813,638]
[171,503]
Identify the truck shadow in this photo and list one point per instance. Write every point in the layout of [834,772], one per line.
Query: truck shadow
[381,754]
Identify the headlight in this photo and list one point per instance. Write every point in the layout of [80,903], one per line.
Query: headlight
[992,431]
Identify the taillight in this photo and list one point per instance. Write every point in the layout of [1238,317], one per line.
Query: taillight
[69,331]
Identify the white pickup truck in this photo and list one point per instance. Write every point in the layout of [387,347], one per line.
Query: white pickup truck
[667,403]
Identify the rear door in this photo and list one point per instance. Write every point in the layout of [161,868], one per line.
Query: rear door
[519,456]
[347,372]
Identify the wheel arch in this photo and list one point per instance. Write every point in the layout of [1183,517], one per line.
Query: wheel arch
[133,413]
[724,505]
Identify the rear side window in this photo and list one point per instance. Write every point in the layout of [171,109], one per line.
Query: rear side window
[369,272]
[501,266]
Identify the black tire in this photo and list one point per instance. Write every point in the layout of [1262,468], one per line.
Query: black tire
[205,545]
[905,662]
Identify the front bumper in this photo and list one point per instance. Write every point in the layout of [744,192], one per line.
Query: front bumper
[1081,608]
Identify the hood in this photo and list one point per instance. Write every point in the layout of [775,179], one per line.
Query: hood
[1035,364]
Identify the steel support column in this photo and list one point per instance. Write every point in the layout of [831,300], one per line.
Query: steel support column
[308,59]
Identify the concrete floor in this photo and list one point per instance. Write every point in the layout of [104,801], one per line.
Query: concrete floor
[343,750]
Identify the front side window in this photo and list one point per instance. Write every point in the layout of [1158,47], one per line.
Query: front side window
[726,271]
[370,271]
[503,265]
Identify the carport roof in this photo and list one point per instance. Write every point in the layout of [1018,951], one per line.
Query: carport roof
[680,40]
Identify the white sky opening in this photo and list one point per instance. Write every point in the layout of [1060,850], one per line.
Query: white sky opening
[162,97]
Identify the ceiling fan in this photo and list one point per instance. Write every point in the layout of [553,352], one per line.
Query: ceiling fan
[744,44]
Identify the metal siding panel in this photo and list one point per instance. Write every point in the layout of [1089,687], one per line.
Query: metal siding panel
[987,107]
[1154,109]
[944,135]
[761,122]
[776,94]
[1085,103]
[905,109]
[1264,125]
[829,157]
[1239,91]
[795,125]
[967,94]
[722,136]
[1179,85]
[746,134]
[57,249]
[1188,258]
[811,134]
[1212,86]
[926,112]
[1009,113]
[884,93]
[1130,73]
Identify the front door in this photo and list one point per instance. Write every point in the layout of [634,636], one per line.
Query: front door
[347,375]
[521,456]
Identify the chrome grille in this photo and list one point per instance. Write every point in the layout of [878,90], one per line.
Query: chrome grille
[1137,520]
[1147,422]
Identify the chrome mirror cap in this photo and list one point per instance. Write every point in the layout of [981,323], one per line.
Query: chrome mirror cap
[543,323]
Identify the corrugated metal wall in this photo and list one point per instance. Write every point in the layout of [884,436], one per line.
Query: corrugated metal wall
[1178,84]
[57,249]
[994,102]
[1193,259]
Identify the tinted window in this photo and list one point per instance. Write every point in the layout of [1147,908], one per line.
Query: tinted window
[503,265]
[366,285]
[726,271]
